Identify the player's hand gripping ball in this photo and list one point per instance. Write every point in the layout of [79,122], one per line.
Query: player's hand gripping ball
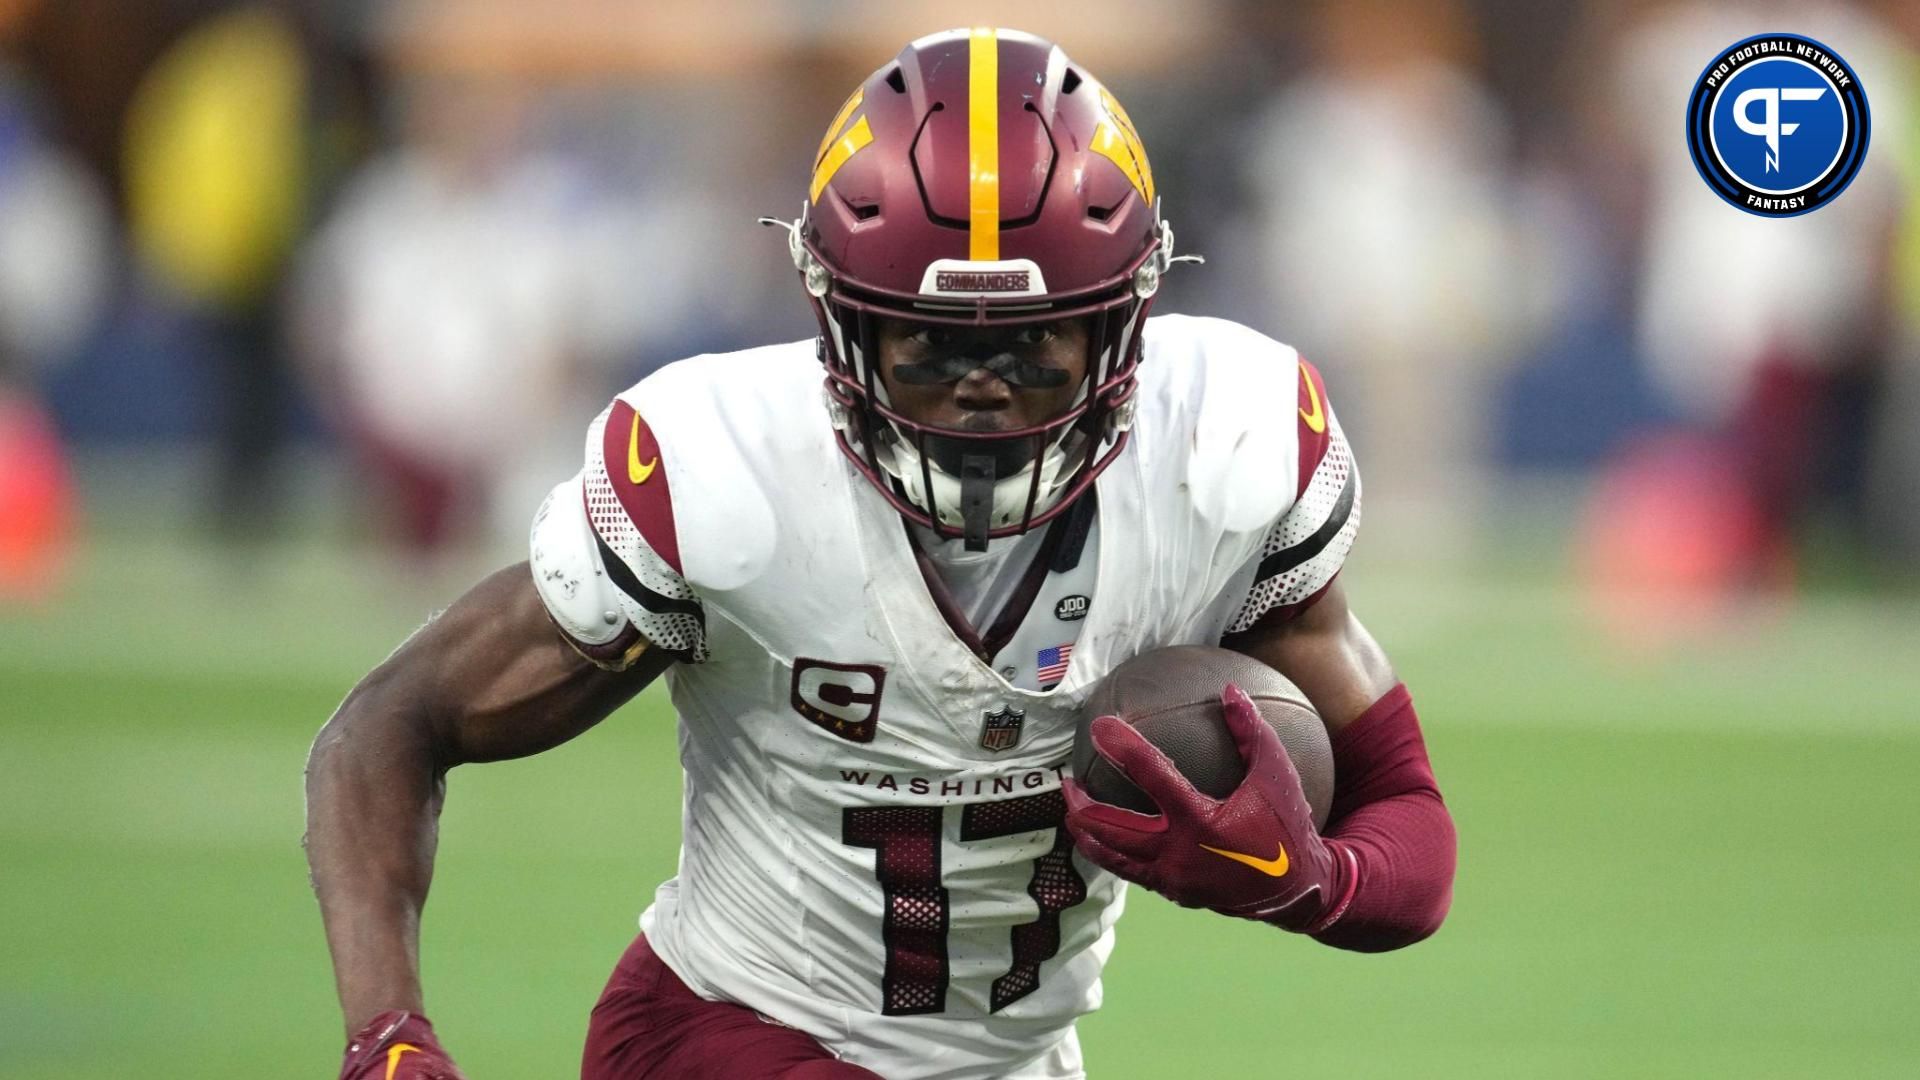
[397,1046]
[1203,803]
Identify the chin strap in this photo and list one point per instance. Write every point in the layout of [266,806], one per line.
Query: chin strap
[976,499]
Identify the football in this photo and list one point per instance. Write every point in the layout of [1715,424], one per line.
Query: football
[1172,697]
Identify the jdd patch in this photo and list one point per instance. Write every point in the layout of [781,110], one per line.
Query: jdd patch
[1778,125]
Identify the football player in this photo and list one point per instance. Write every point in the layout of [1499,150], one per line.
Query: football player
[879,607]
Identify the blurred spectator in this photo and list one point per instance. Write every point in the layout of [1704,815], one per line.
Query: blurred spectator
[216,171]
[215,157]
[1380,185]
[56,241]
[55,265]
[456,304]
[1893,460]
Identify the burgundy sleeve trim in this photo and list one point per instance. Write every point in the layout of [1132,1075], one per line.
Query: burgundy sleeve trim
[1315,431]
[638,474]
[1355,735]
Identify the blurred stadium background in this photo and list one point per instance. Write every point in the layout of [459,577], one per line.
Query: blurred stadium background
[303,305]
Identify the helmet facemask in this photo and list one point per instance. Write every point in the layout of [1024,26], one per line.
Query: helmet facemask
[982,485]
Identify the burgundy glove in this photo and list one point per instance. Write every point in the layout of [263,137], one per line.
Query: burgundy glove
[1255,854]
[397,1046]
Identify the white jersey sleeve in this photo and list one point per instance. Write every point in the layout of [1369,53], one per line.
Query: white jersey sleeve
[605,552]
[1308,544]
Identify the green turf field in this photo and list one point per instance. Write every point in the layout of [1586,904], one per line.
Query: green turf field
[1701,866]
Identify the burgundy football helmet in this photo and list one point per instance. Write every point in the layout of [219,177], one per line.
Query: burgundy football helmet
[980,179]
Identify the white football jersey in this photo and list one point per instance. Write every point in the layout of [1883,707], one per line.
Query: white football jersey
[872,848]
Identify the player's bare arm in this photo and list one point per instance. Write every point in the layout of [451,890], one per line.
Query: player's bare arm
[488,679]
[1328,655]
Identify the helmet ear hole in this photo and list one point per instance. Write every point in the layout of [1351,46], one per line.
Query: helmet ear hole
[1070,82]
[897,79]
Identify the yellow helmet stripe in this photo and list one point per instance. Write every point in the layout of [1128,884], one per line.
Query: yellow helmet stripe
[839,120]
[837,155]
[983,144]
[1119,142]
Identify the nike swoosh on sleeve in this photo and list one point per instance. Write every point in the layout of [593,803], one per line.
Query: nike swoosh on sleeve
[636,472]
[1316,420]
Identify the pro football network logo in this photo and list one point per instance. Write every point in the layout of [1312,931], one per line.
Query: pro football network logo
[1778,125]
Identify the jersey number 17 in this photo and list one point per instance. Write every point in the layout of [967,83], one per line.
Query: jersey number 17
[906,841]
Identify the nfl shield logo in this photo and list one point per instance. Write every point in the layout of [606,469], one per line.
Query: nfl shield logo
[1001,730]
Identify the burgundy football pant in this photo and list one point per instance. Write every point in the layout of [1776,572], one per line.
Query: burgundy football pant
[649,1024]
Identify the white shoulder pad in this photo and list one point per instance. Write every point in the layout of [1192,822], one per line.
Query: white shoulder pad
[717,445]
[568,572]
[1245,447]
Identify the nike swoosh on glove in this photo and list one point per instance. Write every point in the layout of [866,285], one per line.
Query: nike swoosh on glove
[1254,854]
[397,1046]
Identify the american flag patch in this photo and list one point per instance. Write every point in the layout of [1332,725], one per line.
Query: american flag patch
[1053,663]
